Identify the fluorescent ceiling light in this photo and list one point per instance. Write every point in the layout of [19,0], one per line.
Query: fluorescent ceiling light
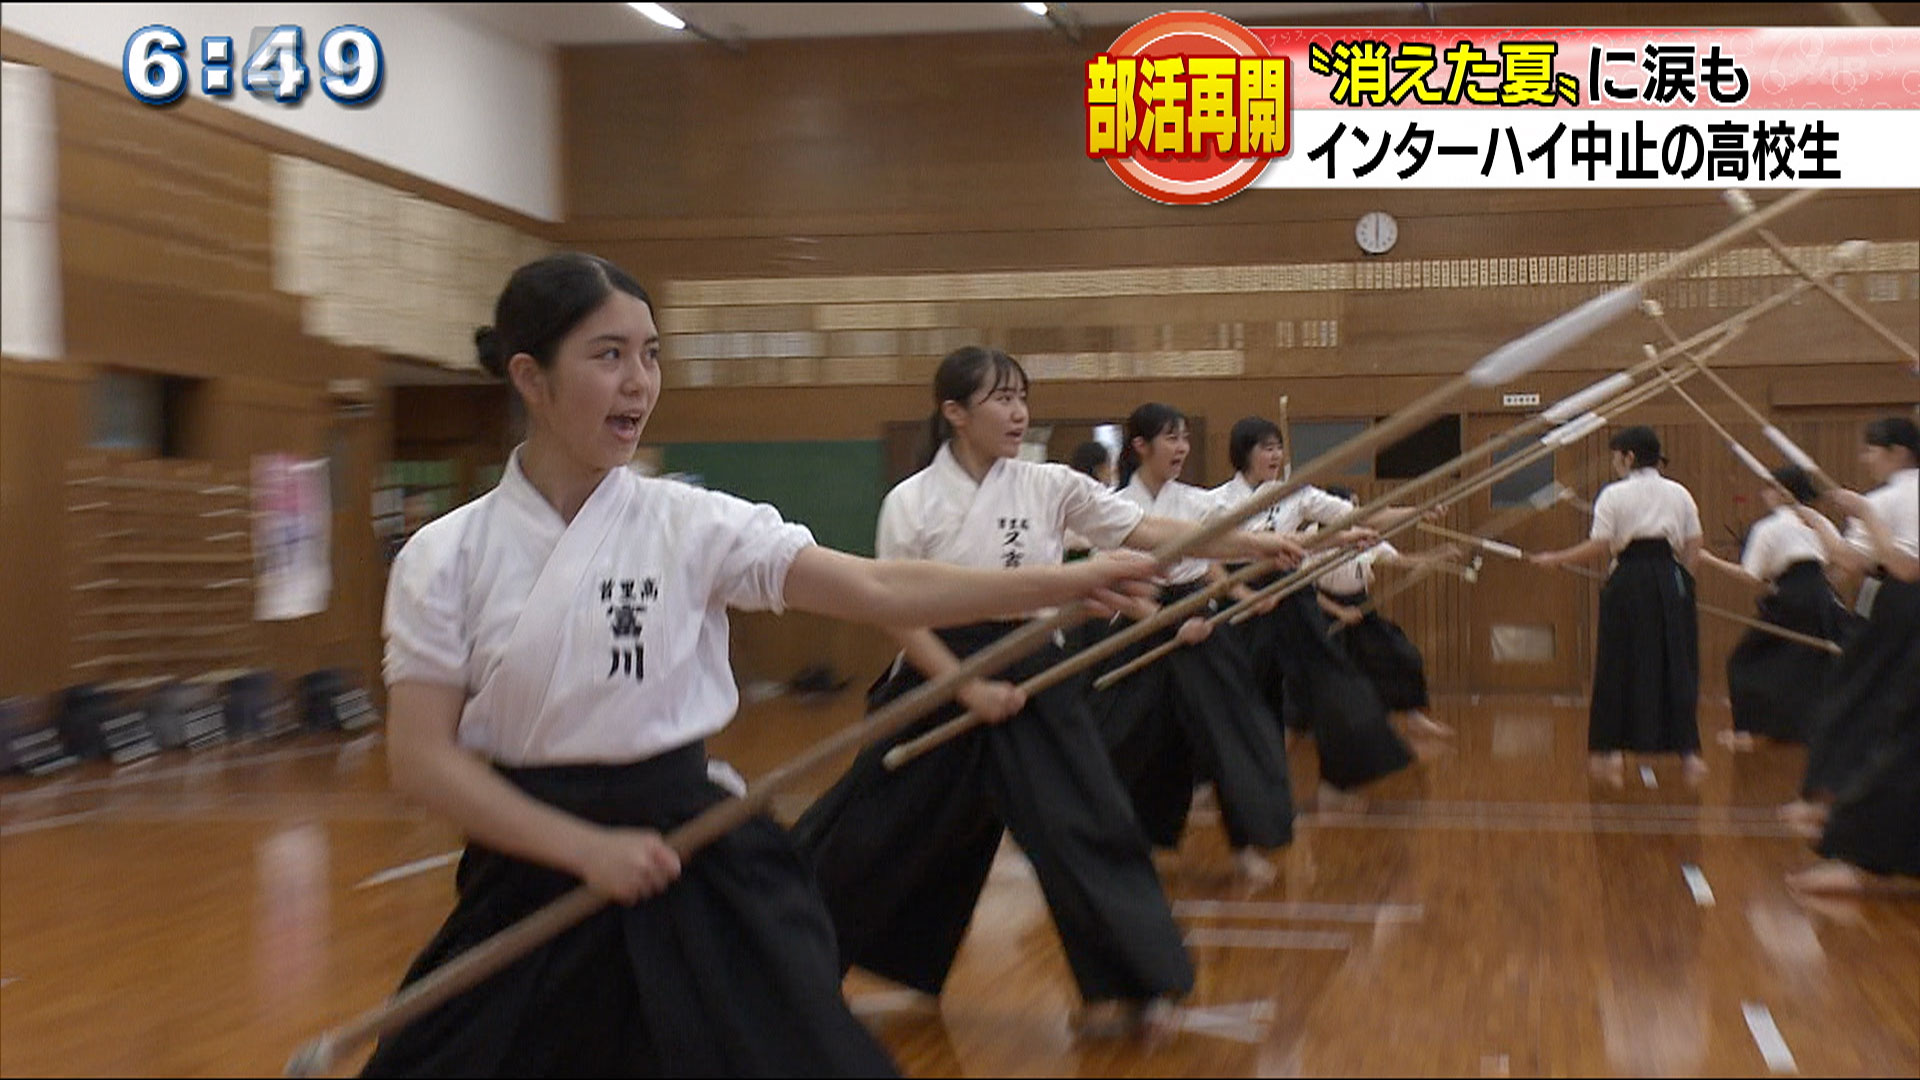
[1037,9]
[661,15]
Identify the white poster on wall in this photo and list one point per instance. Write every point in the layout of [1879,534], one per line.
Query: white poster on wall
[292,537]
[30,274]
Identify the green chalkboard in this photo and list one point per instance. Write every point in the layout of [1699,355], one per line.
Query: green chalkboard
[833,488]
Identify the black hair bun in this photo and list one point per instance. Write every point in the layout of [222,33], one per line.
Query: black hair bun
[492,351]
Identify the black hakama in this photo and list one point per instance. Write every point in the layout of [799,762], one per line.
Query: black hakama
[1260,640]
[732,971]
[1325,693]
[1858,714]
[1381,649]
[902,856]
[1875,822]
[1194,715]
[1646,669]
[1776,684]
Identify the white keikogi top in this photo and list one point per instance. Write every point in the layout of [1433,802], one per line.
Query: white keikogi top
[1180,502]
[603,640]
[1290,514]
[1898,503]
[1356,574]
[1777,541]
[1017,516]
[1645,506]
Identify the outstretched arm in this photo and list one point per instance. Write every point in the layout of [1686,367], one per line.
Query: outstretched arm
[1156,532]
[1880,542]
[912,593]
[1731,569]
[1585,551]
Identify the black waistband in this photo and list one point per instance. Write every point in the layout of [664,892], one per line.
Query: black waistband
[1173,594]
[1348,599]
[966,640]
[661,792]
[1646,548]
[1801,568]
[677,766]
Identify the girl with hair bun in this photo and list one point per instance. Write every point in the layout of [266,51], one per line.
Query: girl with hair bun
[1646,667]
[902,855]
[556,657]
[1775,684]
[1862,735]
[1195,715]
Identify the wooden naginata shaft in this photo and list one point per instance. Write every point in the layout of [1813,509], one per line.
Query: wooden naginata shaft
[1574,405]
[1280,590]
[1510,361]
[1786,446]
[1808,640]
[1509,552]
[1540,500]
[1498,366]
[1850,252]
[1724,332]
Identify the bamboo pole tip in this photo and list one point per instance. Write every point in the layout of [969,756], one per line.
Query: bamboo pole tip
[895,758]
[1652,353]
[314,1058]
[1851,252]
[1741,202]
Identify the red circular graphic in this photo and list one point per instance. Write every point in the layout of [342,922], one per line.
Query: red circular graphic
[1207,178]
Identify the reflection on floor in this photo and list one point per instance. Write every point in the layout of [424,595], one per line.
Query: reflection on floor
[1489,912]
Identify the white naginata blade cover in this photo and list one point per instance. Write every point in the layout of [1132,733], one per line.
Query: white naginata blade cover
[1569,407]
[1750,461]
[1787,446]
[1574,432]
[1530,350]
[1507,550]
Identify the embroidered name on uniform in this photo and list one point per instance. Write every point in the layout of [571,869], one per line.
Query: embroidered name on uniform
[1013,549]
[623,614]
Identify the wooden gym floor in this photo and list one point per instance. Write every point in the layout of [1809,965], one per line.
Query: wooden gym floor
[1490,913]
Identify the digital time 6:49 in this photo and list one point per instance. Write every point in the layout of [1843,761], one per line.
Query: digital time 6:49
[352,65]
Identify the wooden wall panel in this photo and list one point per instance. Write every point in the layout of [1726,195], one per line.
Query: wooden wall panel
[166,268]
[850,165]
[44,409]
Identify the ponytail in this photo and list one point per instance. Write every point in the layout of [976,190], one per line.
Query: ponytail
[1148,422]
[965,372]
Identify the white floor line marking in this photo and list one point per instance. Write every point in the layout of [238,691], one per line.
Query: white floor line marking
[1287,909]
[407,870]
[1648,779]
[41,824]
[1237,938]
[1766,1036]
[1247,1022]
[892,1001]
[1642,828]
[1697,881]
[1598,809]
